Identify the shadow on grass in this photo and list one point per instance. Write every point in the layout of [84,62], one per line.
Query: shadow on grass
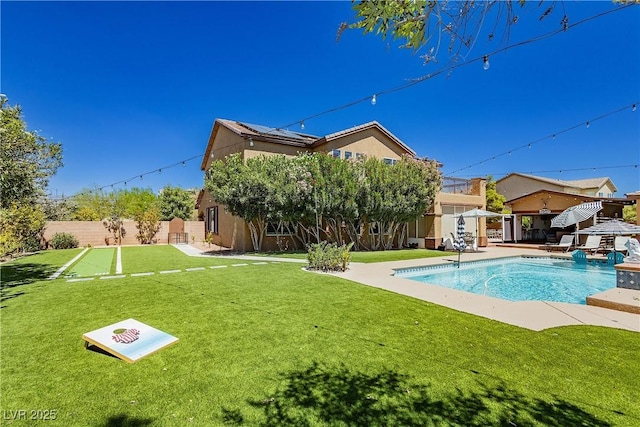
[15,276]
[340,396]
[123,420]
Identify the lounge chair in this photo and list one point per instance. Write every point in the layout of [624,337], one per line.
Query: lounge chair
[565,243]
[620,242]
[592,244]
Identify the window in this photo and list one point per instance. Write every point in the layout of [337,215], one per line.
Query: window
[347,155]
[359,156]
[389,161]
[601,194]
[212,220]
[335,153]
[280,229]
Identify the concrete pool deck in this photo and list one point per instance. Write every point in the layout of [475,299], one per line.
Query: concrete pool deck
[534,315]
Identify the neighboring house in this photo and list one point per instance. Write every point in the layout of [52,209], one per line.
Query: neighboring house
[516,185]
[370,139]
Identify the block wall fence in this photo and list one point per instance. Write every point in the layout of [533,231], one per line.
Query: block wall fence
[94,233]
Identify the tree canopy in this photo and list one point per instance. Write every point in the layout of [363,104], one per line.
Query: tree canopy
[323,198]
[27,159]
[176,202]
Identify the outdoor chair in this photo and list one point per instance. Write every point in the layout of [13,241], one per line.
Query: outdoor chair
[620,242]
[580,257]
[565,243]
[618,259]
[592,244]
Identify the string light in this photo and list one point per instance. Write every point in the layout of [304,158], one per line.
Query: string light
[373,100]
[552,136]
[302,124]
[485,62]
[587,125]
[633,108]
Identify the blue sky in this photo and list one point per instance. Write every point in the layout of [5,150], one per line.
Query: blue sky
[130,87]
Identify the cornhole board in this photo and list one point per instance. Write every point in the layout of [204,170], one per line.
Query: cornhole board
[129,340]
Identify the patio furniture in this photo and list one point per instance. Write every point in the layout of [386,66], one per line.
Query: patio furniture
[614,258]
[565,243]
[619,244]
[580,257]
[592,244]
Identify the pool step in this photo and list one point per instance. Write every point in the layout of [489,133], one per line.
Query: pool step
[621,299]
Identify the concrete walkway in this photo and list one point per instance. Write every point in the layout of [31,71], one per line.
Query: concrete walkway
[534,315]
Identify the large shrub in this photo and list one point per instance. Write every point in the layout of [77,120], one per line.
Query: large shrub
[21,229]
[329,256]
[64,241]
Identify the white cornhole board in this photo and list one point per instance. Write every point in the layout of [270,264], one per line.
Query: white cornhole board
[129,339]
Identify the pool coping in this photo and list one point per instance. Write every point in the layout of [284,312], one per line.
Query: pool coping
[533,315]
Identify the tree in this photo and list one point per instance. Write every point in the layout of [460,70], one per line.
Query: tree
[176,202]
[392,195]
[27,160]
[629,213]
[92,205]
[440,24]
[21,228]
[495,200]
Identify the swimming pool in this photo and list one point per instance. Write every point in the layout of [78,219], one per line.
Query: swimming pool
[520,278]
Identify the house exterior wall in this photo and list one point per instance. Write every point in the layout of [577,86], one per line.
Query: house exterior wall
[95,234]
[233,232]
[458,202]
[514,186]
[227,143]
[370,142]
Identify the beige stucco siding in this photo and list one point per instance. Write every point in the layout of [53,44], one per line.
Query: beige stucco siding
[515,186]
[370,142]
[226,143]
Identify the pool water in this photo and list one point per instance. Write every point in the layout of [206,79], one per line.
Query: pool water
[521,279]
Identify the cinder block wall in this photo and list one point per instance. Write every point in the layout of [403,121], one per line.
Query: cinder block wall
[94,233]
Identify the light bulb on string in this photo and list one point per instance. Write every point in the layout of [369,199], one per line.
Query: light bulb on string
[587,125]
[140,177]
[184,164]
[633,107]
[485,62]
[302,124]
[159,171]
[553,136]
[529,146]
[373,100]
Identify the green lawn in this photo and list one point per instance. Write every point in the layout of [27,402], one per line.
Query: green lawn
[274,345]
[372,256]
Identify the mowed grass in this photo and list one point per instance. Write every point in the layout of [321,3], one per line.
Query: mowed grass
[372,256]
[275,345]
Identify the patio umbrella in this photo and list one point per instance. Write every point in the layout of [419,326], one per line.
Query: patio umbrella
[575,215]
[479,213]
[612,228]
[459,245]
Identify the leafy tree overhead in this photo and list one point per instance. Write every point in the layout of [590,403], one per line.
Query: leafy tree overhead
[176,202]
[440,24]
[27,159]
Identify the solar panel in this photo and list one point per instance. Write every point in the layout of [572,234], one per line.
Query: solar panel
[265,130]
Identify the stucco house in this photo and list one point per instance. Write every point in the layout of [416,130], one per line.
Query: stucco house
[370,139]
[519,184]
